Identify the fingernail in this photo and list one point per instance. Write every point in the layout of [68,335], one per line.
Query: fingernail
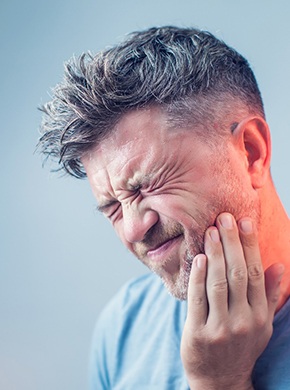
[226,221]
[246,226]
[214,235]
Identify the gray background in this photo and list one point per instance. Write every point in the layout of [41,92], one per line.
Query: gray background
[59,261]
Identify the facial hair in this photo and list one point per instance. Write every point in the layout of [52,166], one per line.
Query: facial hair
[228,197]
[176,284]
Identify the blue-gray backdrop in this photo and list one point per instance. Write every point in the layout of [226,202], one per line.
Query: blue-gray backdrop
[59,261]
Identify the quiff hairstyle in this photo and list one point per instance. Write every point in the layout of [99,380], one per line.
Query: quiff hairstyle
[184,71]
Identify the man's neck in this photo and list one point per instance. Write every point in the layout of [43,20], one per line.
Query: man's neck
[275,238]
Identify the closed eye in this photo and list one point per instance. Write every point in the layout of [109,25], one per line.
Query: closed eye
[108,209]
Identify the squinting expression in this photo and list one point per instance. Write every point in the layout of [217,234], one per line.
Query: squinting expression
[161,188]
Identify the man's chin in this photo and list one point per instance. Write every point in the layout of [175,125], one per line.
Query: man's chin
[176,280]
[177,287]
[176,292]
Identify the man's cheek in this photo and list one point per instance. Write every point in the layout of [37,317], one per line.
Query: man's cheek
[174,210]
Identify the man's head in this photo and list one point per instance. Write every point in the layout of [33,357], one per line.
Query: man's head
[168,126]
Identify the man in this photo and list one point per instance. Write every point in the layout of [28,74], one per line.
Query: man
[170,130]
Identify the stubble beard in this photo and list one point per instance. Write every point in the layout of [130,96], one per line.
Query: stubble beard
[178,286]
[229,197]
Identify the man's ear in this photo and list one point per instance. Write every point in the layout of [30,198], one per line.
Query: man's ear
[253,137]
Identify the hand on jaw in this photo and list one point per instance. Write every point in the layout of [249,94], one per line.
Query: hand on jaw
[231,305]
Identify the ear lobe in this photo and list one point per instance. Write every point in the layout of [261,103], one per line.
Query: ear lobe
[254,135]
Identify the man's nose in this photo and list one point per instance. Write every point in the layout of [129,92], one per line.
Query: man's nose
[137,221]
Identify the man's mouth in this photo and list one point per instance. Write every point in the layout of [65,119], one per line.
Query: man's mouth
[161,250]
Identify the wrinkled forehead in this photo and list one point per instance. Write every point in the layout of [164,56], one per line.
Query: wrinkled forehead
[140,145]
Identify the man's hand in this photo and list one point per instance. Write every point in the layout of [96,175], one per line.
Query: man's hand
[231,305]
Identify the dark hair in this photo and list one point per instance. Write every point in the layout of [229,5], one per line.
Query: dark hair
[167,66]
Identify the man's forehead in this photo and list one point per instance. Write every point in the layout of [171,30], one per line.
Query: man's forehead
[138,146]
[145,132]
[147,126]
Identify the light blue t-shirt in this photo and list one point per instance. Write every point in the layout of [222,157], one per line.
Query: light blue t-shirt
[137,342]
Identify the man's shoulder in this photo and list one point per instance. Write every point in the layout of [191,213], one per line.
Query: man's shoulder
[142,297]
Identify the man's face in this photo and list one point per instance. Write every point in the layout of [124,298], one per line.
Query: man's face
[162,187]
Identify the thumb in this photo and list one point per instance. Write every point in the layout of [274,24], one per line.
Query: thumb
[273,277]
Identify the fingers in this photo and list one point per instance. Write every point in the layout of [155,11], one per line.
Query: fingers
[197,298]
[231,278]
[236,267]
[263,287]
[216,282]
[256,287]
[231,305]
[273,277]
[223,285]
